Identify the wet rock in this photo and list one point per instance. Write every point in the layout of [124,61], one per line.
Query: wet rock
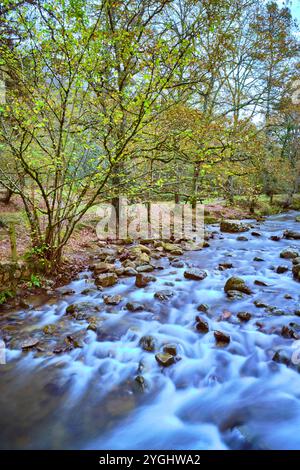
[237,284]
[297,219]
[260,304]
[289,253]
[134,307]
[144,259]
[129,264]
[178,264]
[102,267]
[142,280]
[275,238]
[143,249]
[88,291]
[171,247]
[282,358]
[140,381]
[296,271]
[165,359]
[256,234]
[288,296]
[67,291]
[145,268]
[234,294]
[195,274]
[241,238]
[49,329]
[30,343]
[282,269]
[112,299]
[257,282]
[258,259]
[106,280]
[202,325]
[297,313]
[170,349]
[222,339]
[203,308]
[223,266]
[129,271]
[81,310]
[233,226]
[147,343]
[296,260]
[244,316]
[291,235]
[288,332]
[163,295]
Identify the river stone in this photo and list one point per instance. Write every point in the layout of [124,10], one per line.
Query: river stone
[241,238]
[260,283]
[81,310]
[163,295]
[134,307]
[288,332]
[282,358]
[296,271]
[244,316]
[256,234]
[289,253]
[260,304]
[297,219]
[170,349]
[282,269]
[30,343]
[202,325]
[49,329]
[112,299]
[129,271]
[142,280]
[296,260]
[106,280]
[147,343]
[237,284]
[223,266]
[275,238]
[258,259]
[178,264]
[171,247]
[291,235]
[195,274]
[222,339]
[102,267]
[165,359]
[233,226]
[235,294]
[145,268]
[203,308]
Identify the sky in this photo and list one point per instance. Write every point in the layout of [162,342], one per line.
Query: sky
[294,6]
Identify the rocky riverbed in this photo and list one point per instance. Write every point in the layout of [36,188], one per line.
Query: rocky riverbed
[163,345]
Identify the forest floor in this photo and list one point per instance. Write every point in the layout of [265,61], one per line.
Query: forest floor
[78,251]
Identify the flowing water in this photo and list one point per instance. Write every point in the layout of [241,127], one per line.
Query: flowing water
[233,397]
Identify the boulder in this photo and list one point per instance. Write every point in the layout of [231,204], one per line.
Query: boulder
[195,274]
[145,268]
[106,280]
[81,310]
[233,226]
[223,266]
[129,272]
[296,271]
[282,269]
[102,267]
[237,284]
[241,238]
[275,238]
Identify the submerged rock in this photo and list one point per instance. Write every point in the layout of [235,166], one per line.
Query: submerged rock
[241,238]
[275,238]
[237,284]
[244,316]
[223,266]
[163,295]
[112,299]
[282,269]
[288,332]
[165,359]
[30,343]
[203,308]
[195,274]
[134,306]
[81,310]
[49,329]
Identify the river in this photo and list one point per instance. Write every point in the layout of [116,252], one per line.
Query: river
[232,397]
